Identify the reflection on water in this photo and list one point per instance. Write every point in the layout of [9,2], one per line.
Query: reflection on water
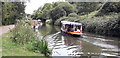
[89,45]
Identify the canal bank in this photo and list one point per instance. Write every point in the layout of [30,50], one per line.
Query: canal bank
[107,25]
[3,30]
[89,45]
[20,39]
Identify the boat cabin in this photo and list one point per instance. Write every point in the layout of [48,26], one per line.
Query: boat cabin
[71,28]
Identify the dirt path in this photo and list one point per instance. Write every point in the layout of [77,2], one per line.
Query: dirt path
[5,29]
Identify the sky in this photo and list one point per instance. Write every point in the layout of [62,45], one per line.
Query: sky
[35,4]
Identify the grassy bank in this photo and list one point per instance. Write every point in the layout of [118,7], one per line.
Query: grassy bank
[23,41]
[108,25]
[12,49]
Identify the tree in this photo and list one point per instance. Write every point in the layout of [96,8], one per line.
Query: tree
[44,13]
[61,9]
[56,13]
[111,7]
[86,7]
[0,8]
[69,8]
[11,11]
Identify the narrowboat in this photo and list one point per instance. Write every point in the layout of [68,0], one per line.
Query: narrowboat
[71,28]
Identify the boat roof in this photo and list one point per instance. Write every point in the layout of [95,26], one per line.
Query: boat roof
[71,23]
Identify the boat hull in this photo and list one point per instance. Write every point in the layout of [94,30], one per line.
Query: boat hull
[75,35]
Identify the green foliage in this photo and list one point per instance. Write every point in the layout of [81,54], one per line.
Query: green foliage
[86,7]
[44,13]
[108,25]
[61,9]
[56,13]
[91,14]
[11,11]
[12,49]
[49,21]
[23,33]
[42,47]
[105,25]
[73,15]
[68,8]
[111,7]
[0,13]
[95,16]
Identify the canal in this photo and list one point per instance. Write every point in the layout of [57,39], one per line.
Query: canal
[89,45]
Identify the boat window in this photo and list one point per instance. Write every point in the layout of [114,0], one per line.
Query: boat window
[66,26]
[71,27]
[79,27]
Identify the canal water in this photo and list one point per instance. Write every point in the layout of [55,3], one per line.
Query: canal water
[89,45]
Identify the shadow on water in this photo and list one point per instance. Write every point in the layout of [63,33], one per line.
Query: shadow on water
[89,45]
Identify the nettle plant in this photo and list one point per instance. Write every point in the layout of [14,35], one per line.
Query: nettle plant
[23,33]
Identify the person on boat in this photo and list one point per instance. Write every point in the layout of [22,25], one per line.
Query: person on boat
[63,28]
[77,29]
[73,28]
[69,28]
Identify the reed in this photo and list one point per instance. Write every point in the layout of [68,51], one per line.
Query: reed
[42,47]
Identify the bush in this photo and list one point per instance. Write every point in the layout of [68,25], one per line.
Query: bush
[23,33]
[73,15]
[42,47]
[106,25]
